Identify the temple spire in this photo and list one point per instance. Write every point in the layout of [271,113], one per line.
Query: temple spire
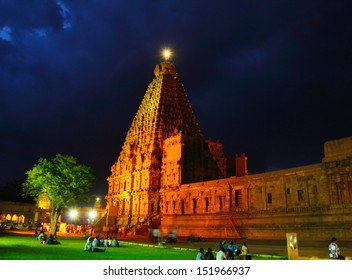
[137,175]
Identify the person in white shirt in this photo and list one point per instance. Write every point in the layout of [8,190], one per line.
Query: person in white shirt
[334,250]
[221,254]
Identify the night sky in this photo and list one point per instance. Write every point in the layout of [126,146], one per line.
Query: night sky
[272,79]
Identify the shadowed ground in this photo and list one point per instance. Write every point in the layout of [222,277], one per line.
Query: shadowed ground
[307,249]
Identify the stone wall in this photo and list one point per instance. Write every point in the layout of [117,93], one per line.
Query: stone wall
[315,201]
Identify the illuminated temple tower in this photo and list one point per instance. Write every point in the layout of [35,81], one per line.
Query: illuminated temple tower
[169,176]
[164,147]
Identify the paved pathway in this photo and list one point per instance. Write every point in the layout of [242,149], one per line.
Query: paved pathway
[307,249]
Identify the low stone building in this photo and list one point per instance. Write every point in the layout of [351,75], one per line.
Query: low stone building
[17,213]
[169,176]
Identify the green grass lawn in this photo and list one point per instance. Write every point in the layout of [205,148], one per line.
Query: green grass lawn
[26,247]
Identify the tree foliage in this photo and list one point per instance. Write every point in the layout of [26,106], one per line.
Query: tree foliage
[63,180]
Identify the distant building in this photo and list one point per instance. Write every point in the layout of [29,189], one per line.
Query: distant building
[169,176]
[20,212]
[17,213]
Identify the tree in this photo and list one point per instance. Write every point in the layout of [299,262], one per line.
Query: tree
[63,180]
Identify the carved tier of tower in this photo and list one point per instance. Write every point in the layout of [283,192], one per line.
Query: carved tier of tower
[164,148]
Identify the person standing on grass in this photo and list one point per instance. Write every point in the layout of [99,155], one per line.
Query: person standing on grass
[231,247]
[244,250]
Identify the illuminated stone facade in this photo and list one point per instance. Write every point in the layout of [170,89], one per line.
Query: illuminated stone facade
[169,176]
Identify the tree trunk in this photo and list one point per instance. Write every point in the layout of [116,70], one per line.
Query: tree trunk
[54,220]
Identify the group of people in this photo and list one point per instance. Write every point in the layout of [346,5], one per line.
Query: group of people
[232,251]
[226,251]
[156,236]
[93,244]
[43,239]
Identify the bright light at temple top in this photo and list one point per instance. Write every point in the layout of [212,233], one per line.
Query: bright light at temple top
[167,54]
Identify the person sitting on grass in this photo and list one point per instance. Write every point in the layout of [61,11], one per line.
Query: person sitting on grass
[52,240]
[334,250]
[55,241]
[114,242]
[90,246]
[41,237]
[109,241]
[106,242]
[200,255]
[209,255]
[96,242]
[101,242]
[237,255]
[230,255]
[221,254]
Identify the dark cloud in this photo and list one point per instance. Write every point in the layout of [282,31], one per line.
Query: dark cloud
[269,78]
[26,16]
